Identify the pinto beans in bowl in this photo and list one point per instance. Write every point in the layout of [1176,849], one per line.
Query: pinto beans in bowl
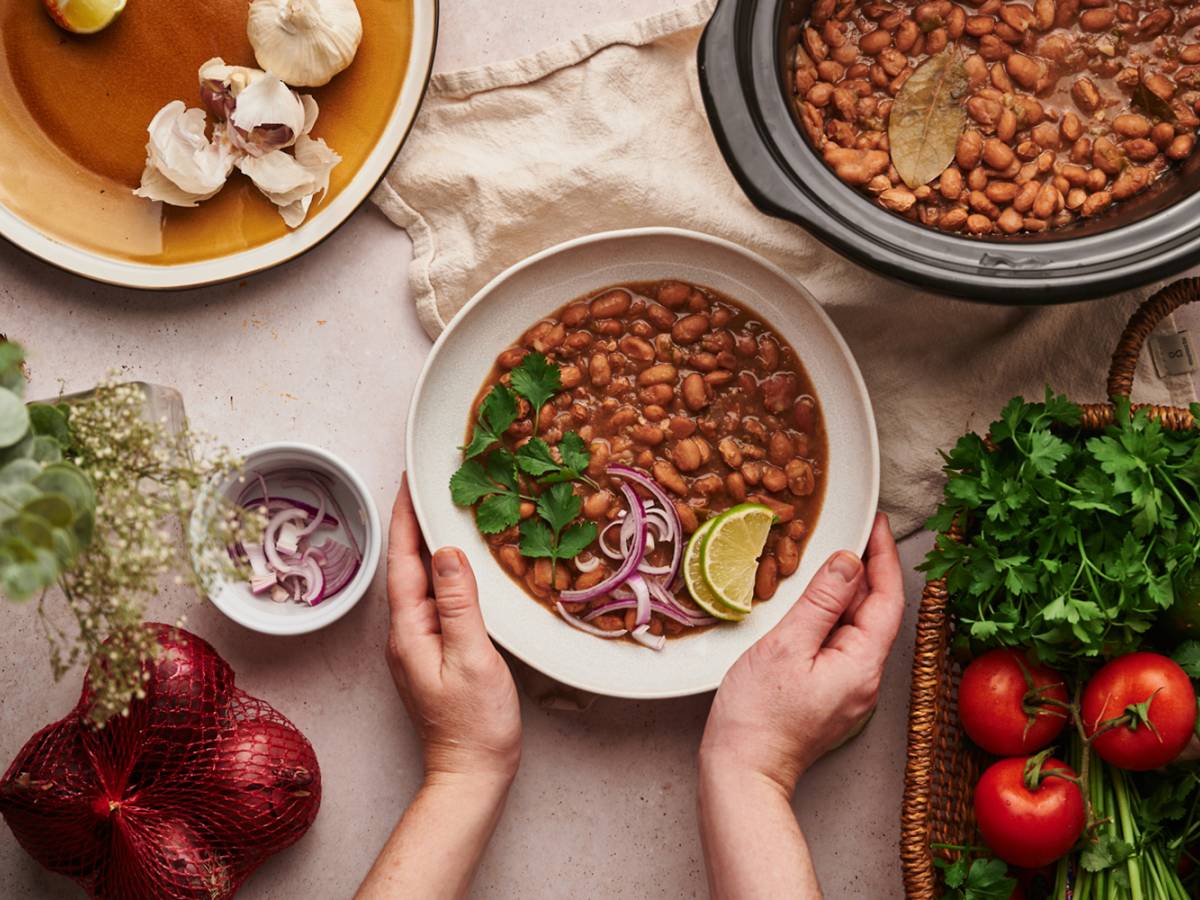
[685,370]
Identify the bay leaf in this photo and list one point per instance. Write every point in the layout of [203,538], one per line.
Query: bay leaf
[927,119]
[1152,104]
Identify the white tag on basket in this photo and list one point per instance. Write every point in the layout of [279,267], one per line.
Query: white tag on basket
[1172,354]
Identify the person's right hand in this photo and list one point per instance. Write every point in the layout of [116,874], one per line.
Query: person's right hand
[810,682]
[456,687]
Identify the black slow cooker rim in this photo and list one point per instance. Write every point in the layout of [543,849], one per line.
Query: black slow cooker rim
[756,131]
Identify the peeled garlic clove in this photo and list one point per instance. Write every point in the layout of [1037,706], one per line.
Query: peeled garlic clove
[183,166]
[291,182]
[268,116]
[304,42]
[220,85]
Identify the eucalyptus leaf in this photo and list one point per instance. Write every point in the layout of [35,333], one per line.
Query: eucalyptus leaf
[15,495]
[84,527]
[65,479]
[45,449]
[47,420]
[23,449]
[66,546]
[927,119]
[19,470]
[53,508]
[36,530]
[14,418]
[11,357]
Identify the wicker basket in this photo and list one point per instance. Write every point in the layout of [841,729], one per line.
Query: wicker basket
[942,765]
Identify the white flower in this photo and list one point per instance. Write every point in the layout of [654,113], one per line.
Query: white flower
[183,166]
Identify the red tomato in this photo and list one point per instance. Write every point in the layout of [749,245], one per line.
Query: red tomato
[998,710]
[1025,826]
[1160,701]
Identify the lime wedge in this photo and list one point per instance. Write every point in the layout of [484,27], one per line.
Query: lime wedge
[730,551]
[694,581]
[84,16]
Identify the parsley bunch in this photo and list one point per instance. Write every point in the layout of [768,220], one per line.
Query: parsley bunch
[498,479]
[1074,543]
[981,879]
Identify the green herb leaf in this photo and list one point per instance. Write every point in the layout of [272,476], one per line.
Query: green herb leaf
[535,459]
[536,540]
[502,469]
[575,539]
[575,454]
[498,512]
[496,413]
[981,879]
[470,484]
[1187,655]
[536,379]
[559,506]
[1104,853]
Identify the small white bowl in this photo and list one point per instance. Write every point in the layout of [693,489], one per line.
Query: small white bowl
[463,357]
[263,614]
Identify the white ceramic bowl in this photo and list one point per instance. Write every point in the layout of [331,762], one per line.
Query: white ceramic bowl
[264,615]
[322,223]
[461,360]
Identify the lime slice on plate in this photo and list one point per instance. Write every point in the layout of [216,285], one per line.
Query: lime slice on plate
[730,551]
[694,581]
[84,16]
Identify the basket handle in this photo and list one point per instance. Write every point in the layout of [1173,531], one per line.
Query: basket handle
[1141,324]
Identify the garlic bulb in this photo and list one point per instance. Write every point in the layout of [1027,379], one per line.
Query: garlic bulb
[183,166]
[304,42]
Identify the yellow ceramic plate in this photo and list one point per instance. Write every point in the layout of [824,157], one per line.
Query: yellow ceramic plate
[73,117]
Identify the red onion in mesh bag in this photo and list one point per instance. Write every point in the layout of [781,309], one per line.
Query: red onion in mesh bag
[183,798]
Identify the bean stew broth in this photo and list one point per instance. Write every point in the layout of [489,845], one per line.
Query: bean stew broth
[1071,105]
[688,386]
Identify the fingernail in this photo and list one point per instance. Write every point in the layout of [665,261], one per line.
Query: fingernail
[446,563]
[845,565]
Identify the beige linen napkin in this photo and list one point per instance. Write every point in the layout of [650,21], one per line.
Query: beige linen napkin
[609,131]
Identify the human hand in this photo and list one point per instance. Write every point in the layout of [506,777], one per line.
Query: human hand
[809,683]
[456,687]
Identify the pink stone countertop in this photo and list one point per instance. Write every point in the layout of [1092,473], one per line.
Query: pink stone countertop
[327,350]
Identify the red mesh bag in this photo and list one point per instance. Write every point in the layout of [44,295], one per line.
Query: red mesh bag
[182,798]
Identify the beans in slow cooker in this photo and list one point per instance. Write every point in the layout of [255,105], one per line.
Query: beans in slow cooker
[693,389]
[1072,105]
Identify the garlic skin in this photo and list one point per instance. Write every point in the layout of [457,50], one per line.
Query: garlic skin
[183,166]
[291,182]
[304,42]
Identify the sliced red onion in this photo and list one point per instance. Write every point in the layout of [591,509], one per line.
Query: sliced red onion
[668,507]
[642,635]
[668,600]
[642,592]
[584,626]
[629,566]
[339,565]
[586,562]
[670,612]
[604,548]
[288,539]
[271,532]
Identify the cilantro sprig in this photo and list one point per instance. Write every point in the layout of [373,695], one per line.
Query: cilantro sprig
[551,535]
[1075,544]
[496,480]
[979,879]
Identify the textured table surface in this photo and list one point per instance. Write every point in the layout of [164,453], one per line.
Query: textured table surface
[327,350]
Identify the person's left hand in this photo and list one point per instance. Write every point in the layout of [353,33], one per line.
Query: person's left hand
[455,685]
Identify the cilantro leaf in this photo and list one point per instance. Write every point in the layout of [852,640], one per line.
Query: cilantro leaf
[470,484]
[575,454]
[1187,655]
[558,506]
[536,540]
[983,879]
[1104,853]
[498,512]
[496,413]
[575,539]
[536,379]
[502,469]
[534,458]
